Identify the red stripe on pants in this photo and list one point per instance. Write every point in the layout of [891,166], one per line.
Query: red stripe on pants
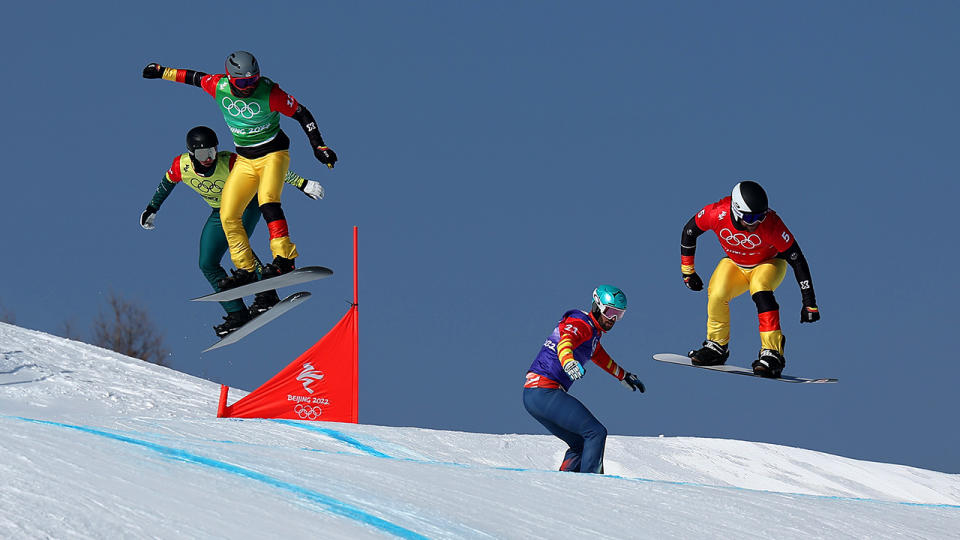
[278,228]
[769,321]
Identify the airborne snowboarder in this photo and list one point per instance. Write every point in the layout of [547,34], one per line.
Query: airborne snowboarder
[205,170]
[758,247]
[251,106]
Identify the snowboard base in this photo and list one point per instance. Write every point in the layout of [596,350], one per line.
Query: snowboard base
[682,360]
[261,320]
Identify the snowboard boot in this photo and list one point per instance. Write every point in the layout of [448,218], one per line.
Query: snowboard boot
[769,364]
[262,302]
[238,278]
[233,320]
[279,266]
[711,354]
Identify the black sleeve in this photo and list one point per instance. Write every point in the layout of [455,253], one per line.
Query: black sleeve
[193,77]
[801,271]
[309,126]
[688,240]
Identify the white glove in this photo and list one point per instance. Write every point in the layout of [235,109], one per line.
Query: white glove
[632,382]
[574,370]
[148,217]
[312,189]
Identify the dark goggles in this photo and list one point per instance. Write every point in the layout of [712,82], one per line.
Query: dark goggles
[756,217]
[205,154]
[245,82]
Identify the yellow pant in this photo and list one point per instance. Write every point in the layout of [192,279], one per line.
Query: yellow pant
[262,177]
[729,281]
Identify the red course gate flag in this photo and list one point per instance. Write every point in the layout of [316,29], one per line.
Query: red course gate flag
[319,385]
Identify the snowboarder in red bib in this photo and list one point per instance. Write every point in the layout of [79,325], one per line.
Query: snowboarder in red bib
[575,341]
[251,106]
[758,247]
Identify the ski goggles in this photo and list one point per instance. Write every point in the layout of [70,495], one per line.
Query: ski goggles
[205,154]
[612,313]
[751,218]
[245,82]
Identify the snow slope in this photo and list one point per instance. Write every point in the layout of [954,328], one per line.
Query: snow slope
[97,445]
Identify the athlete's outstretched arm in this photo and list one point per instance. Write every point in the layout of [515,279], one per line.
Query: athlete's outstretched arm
[309,125]
[801,270]
[323,153]
[149,216]
[186,76]
[309,188]
[602,359]
[688,250]
[163,191]
[287,105]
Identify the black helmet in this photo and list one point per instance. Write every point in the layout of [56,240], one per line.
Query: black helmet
[201,137]
[202,145]
[748,202]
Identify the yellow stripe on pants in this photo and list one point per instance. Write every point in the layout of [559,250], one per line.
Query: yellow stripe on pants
[262,177]
[730,281]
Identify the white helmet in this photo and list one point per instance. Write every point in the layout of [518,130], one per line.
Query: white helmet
[748,202]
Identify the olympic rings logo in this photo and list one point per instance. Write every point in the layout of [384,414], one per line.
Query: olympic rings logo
[240,107]
[206,186]
[307,412]
[739,239]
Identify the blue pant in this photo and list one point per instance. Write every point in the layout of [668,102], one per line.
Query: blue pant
[567,418]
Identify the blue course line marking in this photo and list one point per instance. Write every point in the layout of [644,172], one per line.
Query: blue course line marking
[331,504]
[360,446]
[373,452]
[338,435]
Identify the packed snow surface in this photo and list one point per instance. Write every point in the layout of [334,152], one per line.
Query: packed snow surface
[98,445]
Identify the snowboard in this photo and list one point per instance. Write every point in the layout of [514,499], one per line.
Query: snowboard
[682,360]
[295,277]
[261,320]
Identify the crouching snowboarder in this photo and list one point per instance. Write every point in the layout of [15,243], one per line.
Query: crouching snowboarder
[574,341]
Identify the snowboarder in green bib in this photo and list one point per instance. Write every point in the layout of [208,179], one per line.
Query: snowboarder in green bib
[205,170]
[251,106]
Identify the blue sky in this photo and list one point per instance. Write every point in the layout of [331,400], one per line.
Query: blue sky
[501,159]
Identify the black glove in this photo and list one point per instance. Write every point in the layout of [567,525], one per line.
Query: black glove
[153,71]
[325,155]
[632,382]
[809,313]
[148,217]
[693,282]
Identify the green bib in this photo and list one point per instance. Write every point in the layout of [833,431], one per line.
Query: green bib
[250,119]
[209,187]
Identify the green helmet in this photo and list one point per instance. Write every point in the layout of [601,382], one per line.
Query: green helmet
[609,301]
